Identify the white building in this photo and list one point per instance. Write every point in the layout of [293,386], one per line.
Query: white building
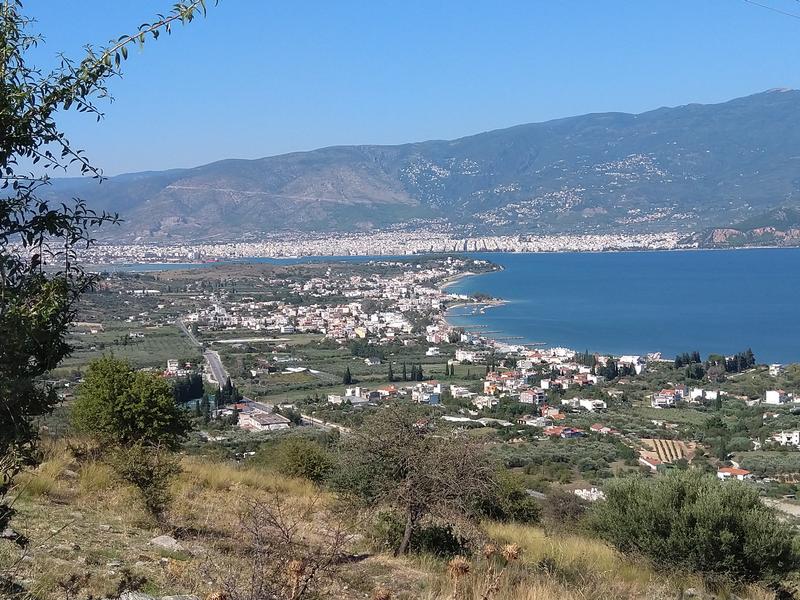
[787,438]
[592,405]
[482,402]
[261,421]
[776,397]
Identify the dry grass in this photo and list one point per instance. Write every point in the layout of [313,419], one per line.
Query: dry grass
[99,522]
[224,477]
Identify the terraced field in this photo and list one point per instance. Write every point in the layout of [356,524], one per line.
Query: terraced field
[669,451]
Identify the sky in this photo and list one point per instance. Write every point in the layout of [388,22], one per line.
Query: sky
[259,77]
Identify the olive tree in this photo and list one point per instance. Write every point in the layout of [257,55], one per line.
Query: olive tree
[690,521]
[398,460]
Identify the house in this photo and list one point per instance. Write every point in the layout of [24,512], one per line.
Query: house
[601,429]
[534,396]
[775,369]
[571,432]
[483,402]
[553,430]
[261,421]
[787,438]
[664,399]
[592,405]
[651,462]
[172,365]
[776,397]
[470,356]
[726,473]
[432,351]
[427,393]
[372,361]
[562,432]
[637,363]
[532,421]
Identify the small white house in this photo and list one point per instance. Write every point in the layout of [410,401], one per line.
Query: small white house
[725,473]
[787,438]
[776,397]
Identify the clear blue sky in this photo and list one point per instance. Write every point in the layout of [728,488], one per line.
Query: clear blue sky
[257,77]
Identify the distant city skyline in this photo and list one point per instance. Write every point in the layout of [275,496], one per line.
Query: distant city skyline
[256,79]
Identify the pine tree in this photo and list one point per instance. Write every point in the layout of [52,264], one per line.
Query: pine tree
[391,373]
[347,378]
[405,375]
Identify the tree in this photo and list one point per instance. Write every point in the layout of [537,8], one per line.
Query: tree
[394,461]
[693,522]
[405,374]
[40,279]
[347,378]
[126,407]
[390,375]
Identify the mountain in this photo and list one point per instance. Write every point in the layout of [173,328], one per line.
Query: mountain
[686,168]
[777,227]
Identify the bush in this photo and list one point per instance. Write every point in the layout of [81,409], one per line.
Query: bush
[692,522]
[297,457]
[151,471]
[563,510]
[386,533]
[511,501]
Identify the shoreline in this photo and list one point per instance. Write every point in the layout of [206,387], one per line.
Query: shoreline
[132,265]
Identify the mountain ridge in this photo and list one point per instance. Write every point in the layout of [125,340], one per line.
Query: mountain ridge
[685,168]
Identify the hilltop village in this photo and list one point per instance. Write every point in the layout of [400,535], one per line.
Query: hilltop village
[322,345]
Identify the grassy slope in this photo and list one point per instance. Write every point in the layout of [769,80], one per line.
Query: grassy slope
[80,520]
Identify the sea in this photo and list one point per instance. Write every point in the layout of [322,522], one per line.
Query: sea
[711,301]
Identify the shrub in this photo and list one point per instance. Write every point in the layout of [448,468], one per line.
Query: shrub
[510,501]
[297,457]
[693,522]
[151,471]
[563,510]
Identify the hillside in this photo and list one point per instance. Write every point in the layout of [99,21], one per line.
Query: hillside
[776,227]
[686,168]
[91,538]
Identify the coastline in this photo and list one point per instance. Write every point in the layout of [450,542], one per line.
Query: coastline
[481,305]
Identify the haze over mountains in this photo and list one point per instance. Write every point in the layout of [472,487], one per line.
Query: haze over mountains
[687,168]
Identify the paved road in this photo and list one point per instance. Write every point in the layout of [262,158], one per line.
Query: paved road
[218,372]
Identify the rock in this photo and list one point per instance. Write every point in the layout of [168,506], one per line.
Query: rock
[114,564]
[69,474]
[181,597]
[135,596]
[104,527]
[167,542]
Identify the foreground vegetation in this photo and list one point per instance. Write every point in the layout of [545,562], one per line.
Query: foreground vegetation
[90,535]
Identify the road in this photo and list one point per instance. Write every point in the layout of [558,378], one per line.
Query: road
[218,372]
[314,422]
[188,333]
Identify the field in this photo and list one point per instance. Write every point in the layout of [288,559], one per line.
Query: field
[158,344]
